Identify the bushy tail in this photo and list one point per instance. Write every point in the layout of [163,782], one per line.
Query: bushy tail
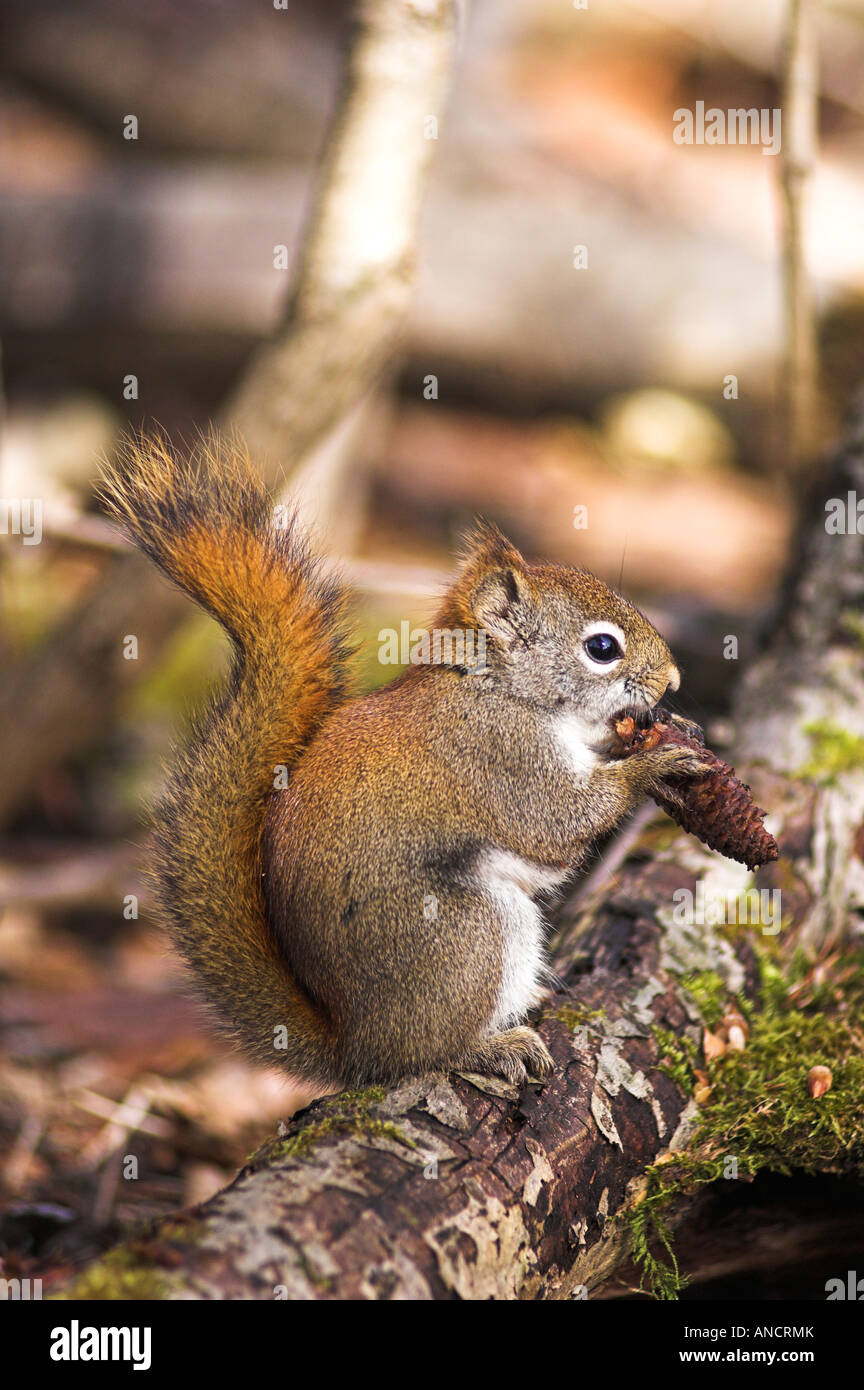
[206,521]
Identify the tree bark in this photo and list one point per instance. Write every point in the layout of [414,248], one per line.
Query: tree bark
[462,1187]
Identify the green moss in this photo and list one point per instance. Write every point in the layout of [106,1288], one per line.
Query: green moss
[312,1272]
[184,1230]
[677,1058]
[761,1109]
[800,980]
[853,622]
[760,1112]
[119,1275]
[362,1099]
[575,1017]
[649,1229]
[660,1276]
[834,751]
[774,982]
[347,1113]
[709,993]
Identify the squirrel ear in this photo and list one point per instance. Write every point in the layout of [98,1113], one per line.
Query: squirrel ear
[488,548]
[499,603]
[497,584]
[492,588]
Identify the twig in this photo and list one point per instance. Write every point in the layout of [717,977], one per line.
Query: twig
[122,1119]
[90,878]
[357,271]
[799,136]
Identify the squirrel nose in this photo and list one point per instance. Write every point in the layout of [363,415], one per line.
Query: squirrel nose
[673,678]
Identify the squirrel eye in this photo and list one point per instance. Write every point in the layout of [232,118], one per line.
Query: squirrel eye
[602,646]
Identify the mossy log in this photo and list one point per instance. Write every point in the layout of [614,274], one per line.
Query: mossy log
[461,1187]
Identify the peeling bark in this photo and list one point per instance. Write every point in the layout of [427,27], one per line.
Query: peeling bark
[462,1186]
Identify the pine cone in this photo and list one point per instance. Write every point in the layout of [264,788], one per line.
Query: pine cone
[717,808]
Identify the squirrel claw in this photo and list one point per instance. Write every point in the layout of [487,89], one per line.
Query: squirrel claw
[515,1054]
[678,761]
[688,726]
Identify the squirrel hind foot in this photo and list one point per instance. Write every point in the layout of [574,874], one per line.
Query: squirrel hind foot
[515,1054]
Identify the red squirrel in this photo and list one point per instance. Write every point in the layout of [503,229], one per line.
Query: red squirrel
[374,912]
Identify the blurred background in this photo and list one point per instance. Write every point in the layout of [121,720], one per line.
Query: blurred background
[615,406]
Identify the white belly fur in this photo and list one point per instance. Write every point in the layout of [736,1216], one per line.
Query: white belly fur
[510,882]
[573,737]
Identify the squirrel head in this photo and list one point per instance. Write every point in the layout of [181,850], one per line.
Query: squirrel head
[558,637]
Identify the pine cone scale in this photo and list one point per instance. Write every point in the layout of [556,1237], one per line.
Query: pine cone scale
[716,807]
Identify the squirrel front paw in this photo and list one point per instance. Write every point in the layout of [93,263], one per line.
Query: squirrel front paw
[676,761]
[515,1054]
